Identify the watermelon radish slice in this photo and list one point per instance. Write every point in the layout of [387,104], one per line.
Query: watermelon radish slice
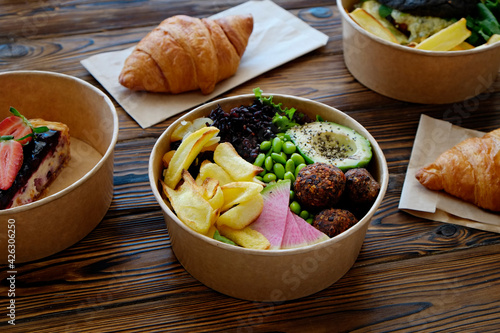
[293,236]
[311,234]
[272,221]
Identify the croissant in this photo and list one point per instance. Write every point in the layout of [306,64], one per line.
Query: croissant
[469,171]
[185,53]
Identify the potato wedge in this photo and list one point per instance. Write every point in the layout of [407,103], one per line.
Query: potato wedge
[247,237]
[239,192]
[212,170]
[181,130]
[372,25]
[167,157]
[191,208]
[447,38]
[186,153]
[228,158]
[243,214]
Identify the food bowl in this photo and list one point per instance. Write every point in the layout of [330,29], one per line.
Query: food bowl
[412,75]
[80,196]
[266,275]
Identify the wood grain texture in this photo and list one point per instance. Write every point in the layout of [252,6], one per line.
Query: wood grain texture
[412,275]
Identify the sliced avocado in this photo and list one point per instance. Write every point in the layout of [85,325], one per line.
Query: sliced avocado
[331,143]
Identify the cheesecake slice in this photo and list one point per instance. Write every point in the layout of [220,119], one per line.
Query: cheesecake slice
[44,156]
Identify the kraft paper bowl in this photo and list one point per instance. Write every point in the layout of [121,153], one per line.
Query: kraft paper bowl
[61,219]
[411,75]
[266,275]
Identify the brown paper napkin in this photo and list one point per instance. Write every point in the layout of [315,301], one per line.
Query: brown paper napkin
[277,38]
[434,137]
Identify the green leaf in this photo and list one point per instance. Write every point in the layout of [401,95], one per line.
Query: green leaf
[41,129]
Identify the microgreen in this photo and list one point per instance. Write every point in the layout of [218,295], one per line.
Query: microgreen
[284,118]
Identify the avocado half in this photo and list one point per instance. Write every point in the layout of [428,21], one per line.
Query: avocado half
[331,143]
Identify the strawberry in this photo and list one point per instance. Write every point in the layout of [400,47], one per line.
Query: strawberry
[16,127]
[11,160]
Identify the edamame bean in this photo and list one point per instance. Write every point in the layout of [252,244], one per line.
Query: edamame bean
[295,207]
[304,214]
[289,175]
[310,220]
[292,194]
[259,178]
[277,144]
[290,166]
[269,177]
[297,159]
[268,163]
[279,170]
[278,158]
[265,145]
[289,147]
[298,168]
[259,161]
[287,137]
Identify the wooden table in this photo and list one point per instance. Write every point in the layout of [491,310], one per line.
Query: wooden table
[411,275]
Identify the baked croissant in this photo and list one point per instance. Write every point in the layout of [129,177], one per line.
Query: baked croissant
[185,53]
[469,171]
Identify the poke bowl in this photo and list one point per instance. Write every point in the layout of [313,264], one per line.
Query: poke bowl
[78,198]
[271,275]
[415,75]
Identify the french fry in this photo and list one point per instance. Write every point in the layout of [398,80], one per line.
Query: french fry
[236,166]
[243,214]
[181,130]
[238,192]
[446,39]
[186,153]
[372,7]
[246,237]
[372,25]
[493,39]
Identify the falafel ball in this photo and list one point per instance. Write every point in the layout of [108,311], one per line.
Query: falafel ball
[361,187]
[333,221]
[319,185]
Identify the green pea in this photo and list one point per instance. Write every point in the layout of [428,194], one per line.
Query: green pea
[292,194]
[259,161]
[278,158]
[277,144]
[304,214]
[268,163]
[295,207]
[310,220]
[289,175]
[289,147]
[269,177]
[297,159]
[290,166]
[279,170]
[265,145]
[298,168]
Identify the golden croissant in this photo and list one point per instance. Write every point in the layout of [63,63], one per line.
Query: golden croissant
[469,171]
[185,53]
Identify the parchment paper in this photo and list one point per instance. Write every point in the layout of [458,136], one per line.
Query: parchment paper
[277,38]
[434,137]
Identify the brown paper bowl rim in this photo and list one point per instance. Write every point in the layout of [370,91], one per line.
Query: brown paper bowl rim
[280,252]
[459,53]
[92,171]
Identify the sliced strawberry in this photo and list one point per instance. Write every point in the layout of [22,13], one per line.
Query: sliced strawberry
[16,127]
[11,160]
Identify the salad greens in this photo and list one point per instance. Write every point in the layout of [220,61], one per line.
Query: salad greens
[485,22]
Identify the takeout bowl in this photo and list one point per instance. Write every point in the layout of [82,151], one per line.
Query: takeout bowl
[418,76]
[59,220]
[266,275]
